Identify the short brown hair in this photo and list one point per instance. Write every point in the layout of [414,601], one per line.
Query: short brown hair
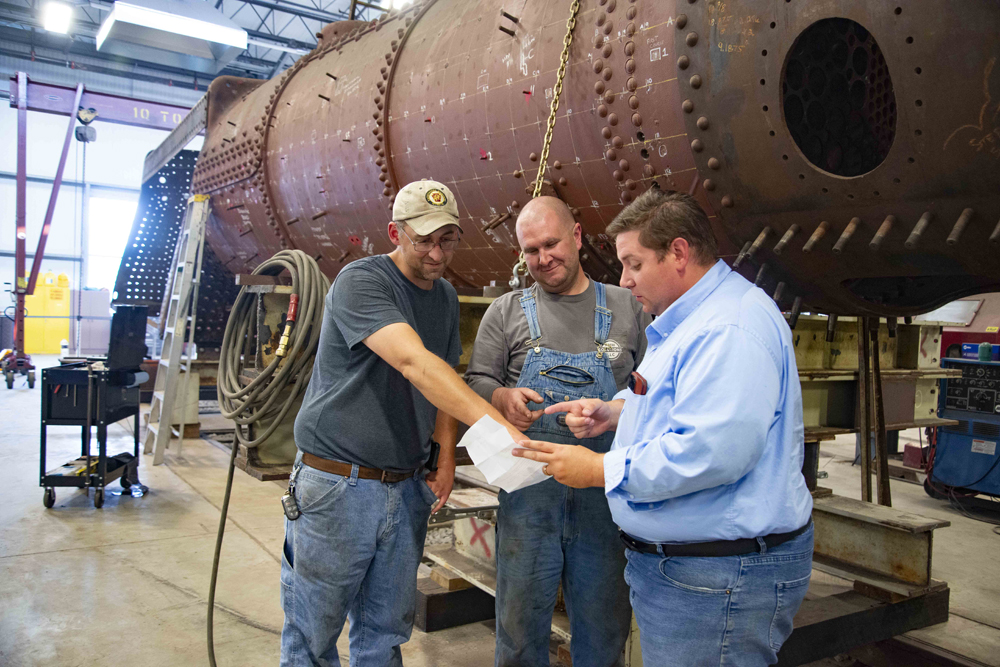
[660,216]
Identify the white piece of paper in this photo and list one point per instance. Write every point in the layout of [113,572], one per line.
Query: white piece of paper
[490,447]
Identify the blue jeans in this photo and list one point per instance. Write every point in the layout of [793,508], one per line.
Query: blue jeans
[734,610]
[547,533]
[352,554]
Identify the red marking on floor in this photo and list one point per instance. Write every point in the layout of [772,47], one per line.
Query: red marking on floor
[478,532]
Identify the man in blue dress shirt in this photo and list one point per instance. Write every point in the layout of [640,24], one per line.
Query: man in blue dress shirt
[704,476]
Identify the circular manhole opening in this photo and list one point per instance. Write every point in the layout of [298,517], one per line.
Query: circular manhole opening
[837,95]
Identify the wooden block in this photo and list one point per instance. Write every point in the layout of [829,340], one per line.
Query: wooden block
[439,609]
[448,580]
[563,655]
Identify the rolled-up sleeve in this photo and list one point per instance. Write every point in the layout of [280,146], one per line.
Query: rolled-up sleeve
[726,391]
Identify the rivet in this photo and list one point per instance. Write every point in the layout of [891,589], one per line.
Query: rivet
[631,84]
[599,87]
[517,173]
[636,120]
[619,176]
[708,184]
[515,204]
[612,4]
[630,14]
[630,65]
[630,184]
[648,171]
[612,120]
[727,201]
[695,82]
[623,165]
[607,74]
[611,155]
[630,29]
[606,133]
[601,18]
[629,48]
[681,21]
[385,192]
[602,111]
[598,41]
[702,123]
[607,51]
[633,102]
[598,66]
[608,27]
[533,157]
[563,181]
[697,146]
[557,165]
[713,163]
[683,62]
[617,142]
[626,197]
[609,97]
[688,106]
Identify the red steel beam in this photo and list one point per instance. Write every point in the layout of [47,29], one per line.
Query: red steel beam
[47,98]
[56,183]
[21,199]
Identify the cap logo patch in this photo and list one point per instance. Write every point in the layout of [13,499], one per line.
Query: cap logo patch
[436,198]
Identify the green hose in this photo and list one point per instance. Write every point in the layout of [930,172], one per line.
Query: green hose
[259,399]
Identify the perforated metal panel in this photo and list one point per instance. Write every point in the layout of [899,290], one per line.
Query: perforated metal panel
[146,263]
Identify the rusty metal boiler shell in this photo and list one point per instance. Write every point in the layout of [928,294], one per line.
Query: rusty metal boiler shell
[437,91]
[692,94]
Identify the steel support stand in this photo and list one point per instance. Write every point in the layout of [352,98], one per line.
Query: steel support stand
[864,408]
[881,445]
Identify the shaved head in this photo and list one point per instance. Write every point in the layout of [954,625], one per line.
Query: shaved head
[551,240]
[545,209]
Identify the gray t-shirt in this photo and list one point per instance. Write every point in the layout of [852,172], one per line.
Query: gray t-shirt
[567,324]
[358,408]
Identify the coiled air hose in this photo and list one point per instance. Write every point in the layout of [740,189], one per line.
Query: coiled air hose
[265,397]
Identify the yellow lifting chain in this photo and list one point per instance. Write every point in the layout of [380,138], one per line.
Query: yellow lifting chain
[522,267]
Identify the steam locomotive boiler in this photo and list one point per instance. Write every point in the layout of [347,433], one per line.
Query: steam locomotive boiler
[848,152]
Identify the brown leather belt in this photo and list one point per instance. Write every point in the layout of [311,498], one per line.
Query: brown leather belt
[344,469]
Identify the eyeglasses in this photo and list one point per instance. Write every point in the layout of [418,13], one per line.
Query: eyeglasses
[447,245]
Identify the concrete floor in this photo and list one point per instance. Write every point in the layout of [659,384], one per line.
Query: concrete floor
[128,582]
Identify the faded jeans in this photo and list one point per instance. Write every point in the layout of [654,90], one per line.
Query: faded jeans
[352,554]
[734,610]
[546,534]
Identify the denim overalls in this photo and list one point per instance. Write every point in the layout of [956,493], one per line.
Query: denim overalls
[547,533]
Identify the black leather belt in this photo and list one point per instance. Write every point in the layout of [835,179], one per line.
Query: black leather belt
[712,549]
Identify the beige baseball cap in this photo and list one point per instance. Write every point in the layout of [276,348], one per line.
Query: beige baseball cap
[425,206]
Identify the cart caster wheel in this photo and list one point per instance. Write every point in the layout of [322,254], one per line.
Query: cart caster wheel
[31,379]
[49,499]
[9,376]
[99,498]
[932,492]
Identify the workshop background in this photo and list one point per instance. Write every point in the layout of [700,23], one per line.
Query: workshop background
[109,557]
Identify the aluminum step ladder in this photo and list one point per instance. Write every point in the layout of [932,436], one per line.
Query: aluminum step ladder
[181,317]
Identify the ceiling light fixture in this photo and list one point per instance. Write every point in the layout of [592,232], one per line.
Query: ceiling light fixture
[56,17]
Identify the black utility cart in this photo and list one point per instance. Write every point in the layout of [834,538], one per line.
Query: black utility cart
[97,392]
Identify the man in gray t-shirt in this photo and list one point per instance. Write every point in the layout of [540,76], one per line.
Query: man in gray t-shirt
[566,337]
[383,383]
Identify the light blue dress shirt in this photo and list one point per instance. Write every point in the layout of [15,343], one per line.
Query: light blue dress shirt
[714,449]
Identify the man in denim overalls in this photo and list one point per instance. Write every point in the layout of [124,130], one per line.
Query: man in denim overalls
[564,338]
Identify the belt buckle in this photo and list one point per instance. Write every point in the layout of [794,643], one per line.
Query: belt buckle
[384,473]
